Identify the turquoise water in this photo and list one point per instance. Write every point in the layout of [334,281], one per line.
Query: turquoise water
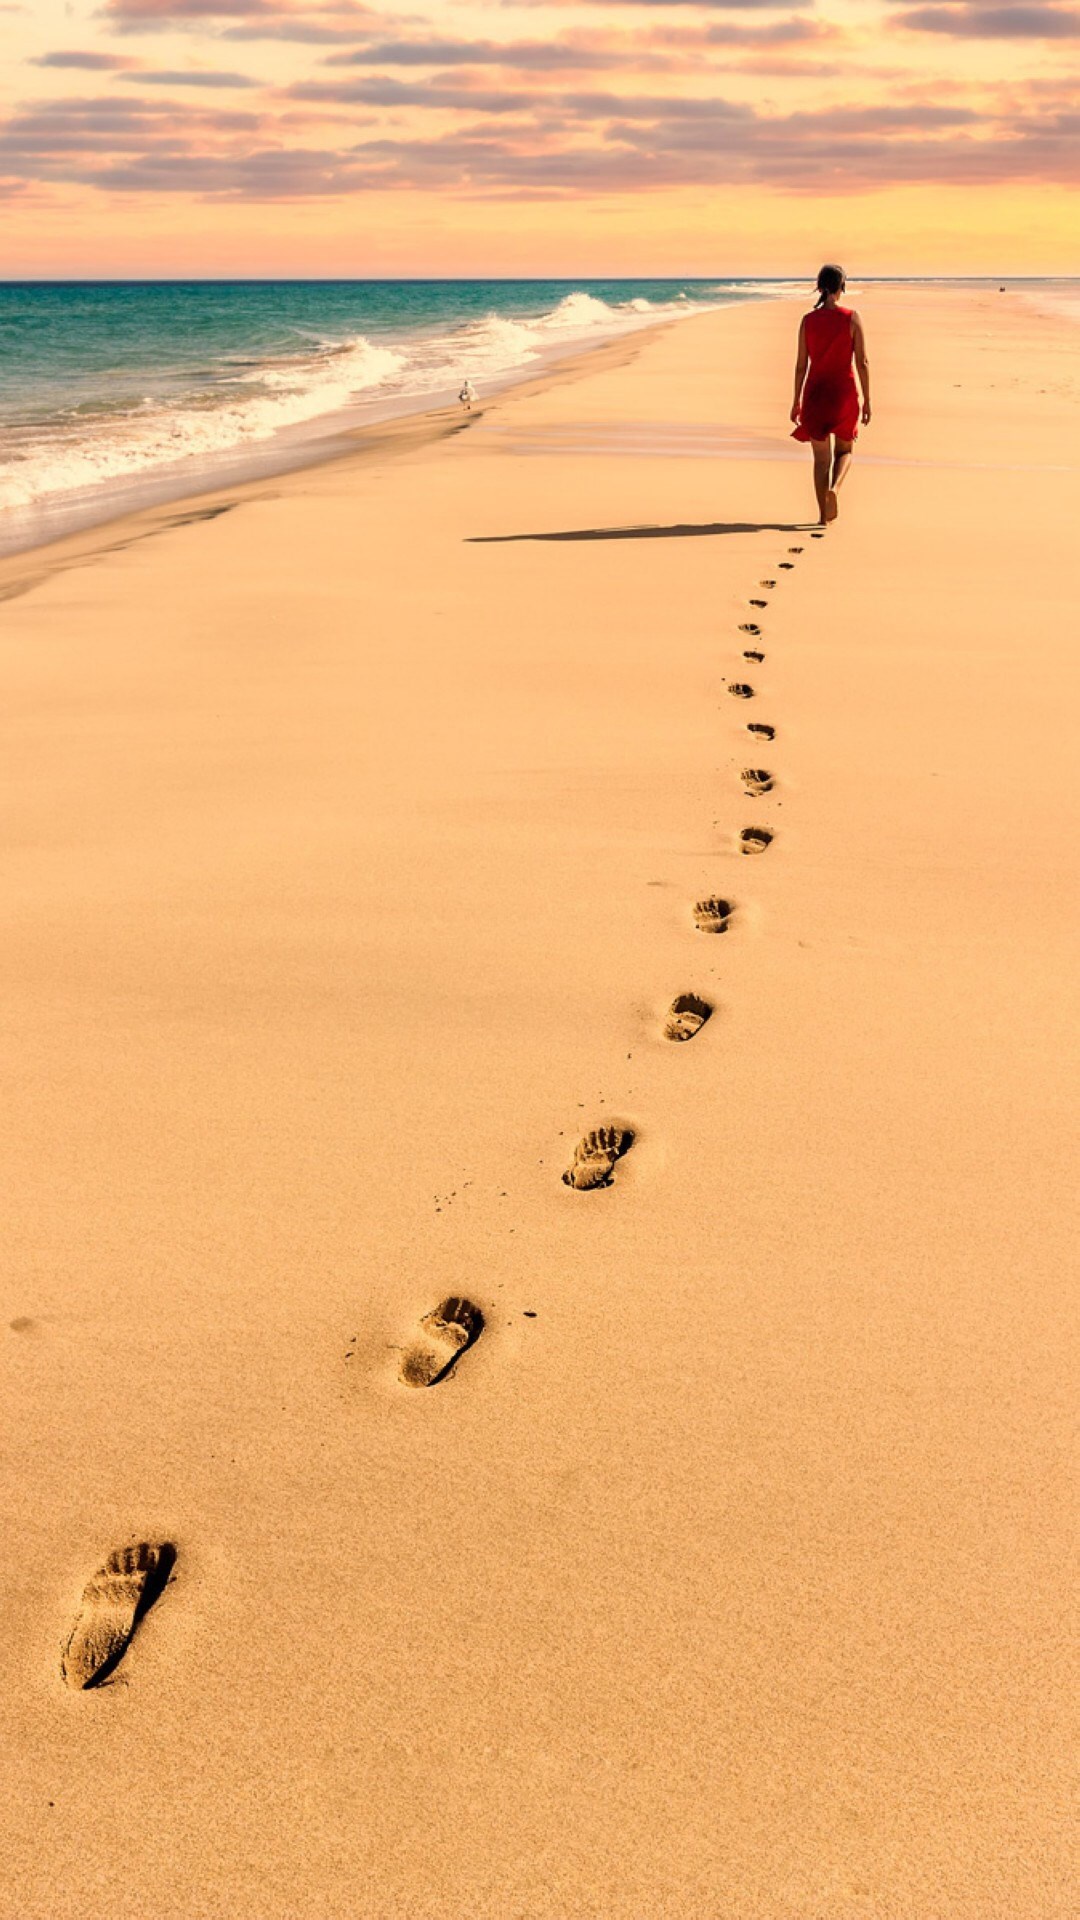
[103,385]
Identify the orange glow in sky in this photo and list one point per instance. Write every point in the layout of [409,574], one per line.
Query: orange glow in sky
[312,137]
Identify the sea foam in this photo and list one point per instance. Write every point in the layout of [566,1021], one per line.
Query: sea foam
[84,452]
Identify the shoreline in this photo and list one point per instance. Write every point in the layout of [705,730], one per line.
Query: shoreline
[291,449]
[403,432]
[366,852]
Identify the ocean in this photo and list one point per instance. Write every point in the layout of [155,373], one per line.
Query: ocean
[116,394]
[113,394]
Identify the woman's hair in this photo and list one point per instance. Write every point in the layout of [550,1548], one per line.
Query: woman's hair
[829,280]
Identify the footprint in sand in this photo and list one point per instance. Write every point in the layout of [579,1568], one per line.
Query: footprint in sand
[755,839]
[759,603]
[753,653]
[794,549]
[595,1156]
[749,626]
[740,691]
[445,1334]
[787,565]
[757,779]
[686,1016]
[817,536]
[712,915]
[112,1605]
[768,583]
[761,731]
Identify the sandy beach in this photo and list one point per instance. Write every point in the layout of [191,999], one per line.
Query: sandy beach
[355,825]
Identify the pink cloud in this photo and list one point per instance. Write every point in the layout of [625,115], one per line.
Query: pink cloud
[633,145]
[992,22]
[133,16]
[85,62]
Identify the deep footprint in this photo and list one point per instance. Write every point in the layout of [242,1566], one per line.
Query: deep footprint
[757,779]
[748,626]
[794,549]
[712,915]
[686,1016]
[595,1156]
[762,732]
[753,653]
[455,1325]
[755,839]
[759,603]
[740,691]
[768,583]
[112,1605]
[787,565]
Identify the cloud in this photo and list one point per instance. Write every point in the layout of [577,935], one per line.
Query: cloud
[108,124]
[441,93]
[270,174]
[383,91]
[615,108]
[539,56]
[190,78]
[289,28]
[982,22]
[156,12]
[920,117]
[85,62]
[142,16]
[722,6]
[777,34]
[596,142]
[813,156]
[601,106]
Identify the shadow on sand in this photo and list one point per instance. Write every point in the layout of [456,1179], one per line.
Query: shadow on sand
[683,532]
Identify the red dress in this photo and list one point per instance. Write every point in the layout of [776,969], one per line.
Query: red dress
[830,398]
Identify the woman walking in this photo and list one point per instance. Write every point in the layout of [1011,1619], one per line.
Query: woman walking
[826,406]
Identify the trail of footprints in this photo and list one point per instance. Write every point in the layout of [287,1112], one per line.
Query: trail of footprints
[129,1582]
[596,1154]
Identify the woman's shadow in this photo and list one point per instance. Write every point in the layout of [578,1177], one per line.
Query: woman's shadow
[680,532]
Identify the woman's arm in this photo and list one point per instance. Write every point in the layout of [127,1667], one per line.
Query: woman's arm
[802,361]
[862,364]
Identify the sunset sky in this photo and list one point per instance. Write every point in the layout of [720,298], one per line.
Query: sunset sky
[521,136]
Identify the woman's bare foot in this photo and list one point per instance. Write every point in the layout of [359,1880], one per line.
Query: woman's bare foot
[832,505]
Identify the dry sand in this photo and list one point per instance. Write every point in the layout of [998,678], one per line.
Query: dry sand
[352,845]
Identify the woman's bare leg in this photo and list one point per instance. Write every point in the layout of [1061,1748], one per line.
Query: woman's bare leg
[822,450]
[844,451]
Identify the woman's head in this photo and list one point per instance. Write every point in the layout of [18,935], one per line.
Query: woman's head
[830,281]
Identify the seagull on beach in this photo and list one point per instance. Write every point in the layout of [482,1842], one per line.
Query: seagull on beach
[468,395]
